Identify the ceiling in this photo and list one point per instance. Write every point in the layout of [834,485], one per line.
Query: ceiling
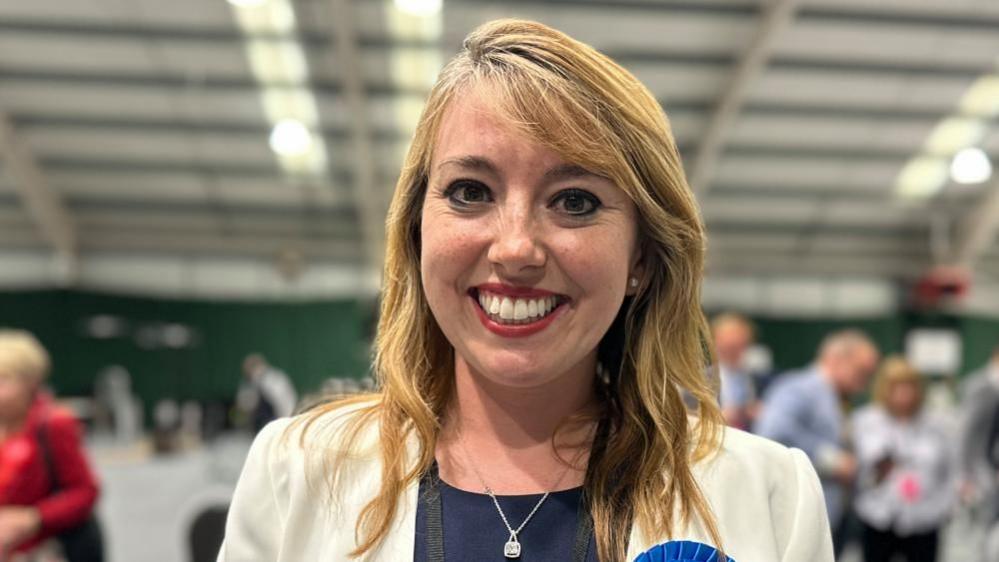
[141,126]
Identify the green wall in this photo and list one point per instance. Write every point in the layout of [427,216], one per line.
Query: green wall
[311,341]
[794,341]
[316,340]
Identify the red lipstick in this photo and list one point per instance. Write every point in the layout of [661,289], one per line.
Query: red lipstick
[516,330]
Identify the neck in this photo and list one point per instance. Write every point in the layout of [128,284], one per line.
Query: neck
[12,424]
[830,380]
[505,433]
[515,416]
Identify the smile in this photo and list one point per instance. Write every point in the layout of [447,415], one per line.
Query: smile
[516,312]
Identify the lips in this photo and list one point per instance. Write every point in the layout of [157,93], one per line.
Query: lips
[515,311]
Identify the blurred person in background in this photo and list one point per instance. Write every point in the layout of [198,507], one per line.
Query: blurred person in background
[266,393]
[906,478]
[47,488]
[540,316]
[733,334]
[978,452]
[806,409]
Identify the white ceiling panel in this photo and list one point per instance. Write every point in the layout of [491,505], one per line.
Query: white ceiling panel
[887,43]
[130,186]
[681,82]
[194,14]
[200,58]
[73,99]
[72,53]
[790,210]
[852,89]
[798,172]
[859,214]
[658,29]
[83,10]
[963,8]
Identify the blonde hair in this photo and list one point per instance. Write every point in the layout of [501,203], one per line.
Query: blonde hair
[895,370]
[22,355]
[566,96]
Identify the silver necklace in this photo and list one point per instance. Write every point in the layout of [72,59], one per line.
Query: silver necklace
[511,549]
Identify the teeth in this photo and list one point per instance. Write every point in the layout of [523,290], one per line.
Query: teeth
[506,309]
[516,311]
[532,308]
[520,310]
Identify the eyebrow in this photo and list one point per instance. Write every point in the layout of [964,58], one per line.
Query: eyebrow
[568,171]
[476,163]
[558,173]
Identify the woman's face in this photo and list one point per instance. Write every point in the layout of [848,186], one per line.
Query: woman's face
[525,256]
[903,399]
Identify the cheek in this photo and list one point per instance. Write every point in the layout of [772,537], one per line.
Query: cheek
[449,250]
[598,260]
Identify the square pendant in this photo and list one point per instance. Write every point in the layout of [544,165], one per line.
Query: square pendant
[511,549]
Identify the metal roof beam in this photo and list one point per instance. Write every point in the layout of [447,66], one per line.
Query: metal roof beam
[977,232]
[777,16]
[346,51]
[45,206]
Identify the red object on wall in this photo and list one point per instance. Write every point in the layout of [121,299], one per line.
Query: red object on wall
[941,285]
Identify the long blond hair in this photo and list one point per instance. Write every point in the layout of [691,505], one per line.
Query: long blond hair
[566,96]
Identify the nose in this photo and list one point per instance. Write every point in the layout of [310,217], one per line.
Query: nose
[516,249]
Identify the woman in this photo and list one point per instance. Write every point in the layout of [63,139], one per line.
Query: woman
[46,486]
[540,317]
[906,473]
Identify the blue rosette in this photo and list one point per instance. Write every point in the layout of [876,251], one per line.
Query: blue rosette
[681,551]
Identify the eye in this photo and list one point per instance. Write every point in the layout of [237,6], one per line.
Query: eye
[464,193]
[576,202]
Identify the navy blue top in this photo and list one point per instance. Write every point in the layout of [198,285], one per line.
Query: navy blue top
[473,529]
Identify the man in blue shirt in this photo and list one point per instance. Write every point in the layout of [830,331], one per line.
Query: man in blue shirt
[733,335]
[805,409]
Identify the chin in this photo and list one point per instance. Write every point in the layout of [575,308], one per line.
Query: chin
[514,370]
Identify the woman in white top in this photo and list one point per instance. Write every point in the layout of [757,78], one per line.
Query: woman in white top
[540,317]
[906,468]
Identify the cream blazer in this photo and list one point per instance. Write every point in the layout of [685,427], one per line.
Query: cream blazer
[766,497]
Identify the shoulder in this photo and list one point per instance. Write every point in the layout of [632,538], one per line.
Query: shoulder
[323,429]
[792,383]
[302,448]
[975,384]
[757,472]
[767,498]
[744,453]
[59,422]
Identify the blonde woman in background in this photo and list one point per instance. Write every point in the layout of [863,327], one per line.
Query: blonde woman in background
[540,317]
[47,488]
[906,487]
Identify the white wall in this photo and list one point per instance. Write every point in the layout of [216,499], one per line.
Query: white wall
[187,277]
[801,296]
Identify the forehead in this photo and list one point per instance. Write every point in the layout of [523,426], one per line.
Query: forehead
[470,126]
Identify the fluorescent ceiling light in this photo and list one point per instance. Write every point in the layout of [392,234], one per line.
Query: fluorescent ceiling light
[290,138]
[970,165]
[419,7]
[279,66]
[921,177]
[982,98]
[953,134]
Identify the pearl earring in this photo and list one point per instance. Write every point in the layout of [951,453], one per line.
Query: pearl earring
[634,282]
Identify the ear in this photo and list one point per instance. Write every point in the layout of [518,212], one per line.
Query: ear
[636,274]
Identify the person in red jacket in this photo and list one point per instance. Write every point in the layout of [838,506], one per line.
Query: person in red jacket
[46,485]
